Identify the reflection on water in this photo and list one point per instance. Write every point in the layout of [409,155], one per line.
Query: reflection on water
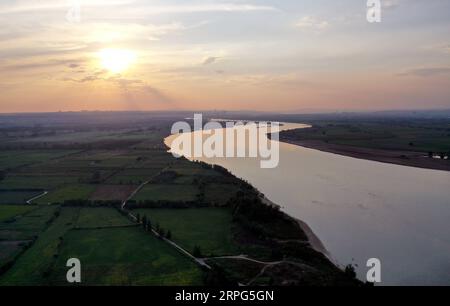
[362,209]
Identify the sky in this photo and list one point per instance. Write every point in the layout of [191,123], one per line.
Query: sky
[267,55]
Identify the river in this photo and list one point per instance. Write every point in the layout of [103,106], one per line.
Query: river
[361,209]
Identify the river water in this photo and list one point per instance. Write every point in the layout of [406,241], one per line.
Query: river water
[361,209]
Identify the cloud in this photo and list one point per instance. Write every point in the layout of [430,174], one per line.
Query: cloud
[143,7]
[46,64]
[210,60]
[312,23]
[128,86]
[427,72]
[25,6]
[219,7]
[442,48]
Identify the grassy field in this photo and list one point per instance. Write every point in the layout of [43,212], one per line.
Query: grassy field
[10,249]
[208,228]
[124,256]
[219,194]
[71,192]
[33,267]
[132,176]
[15,158]
[36,181]
[167,192]
[27,225]
[112,192]
[7,212]
[100,217]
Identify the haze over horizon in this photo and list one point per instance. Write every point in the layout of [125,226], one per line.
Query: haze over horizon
[230,55]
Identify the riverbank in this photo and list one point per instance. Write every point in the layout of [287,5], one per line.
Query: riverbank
[404,158]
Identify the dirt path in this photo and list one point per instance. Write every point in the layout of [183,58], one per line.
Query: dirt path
[267,265]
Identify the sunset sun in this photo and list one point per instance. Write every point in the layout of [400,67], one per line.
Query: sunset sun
[116,60]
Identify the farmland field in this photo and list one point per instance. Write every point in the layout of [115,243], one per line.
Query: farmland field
[36,181]
[14,158]
[10,211]
[125,256]
[167,192]
[112,192]
[100,217]
[71,192]
[208,228]
[27,225]
[219,194]
[33,266]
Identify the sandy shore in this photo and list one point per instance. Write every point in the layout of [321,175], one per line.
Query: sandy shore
[405,158]
[313,240]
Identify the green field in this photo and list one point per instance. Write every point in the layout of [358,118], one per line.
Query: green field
[219,194]
[132,176]
[27,225]
[8,212]
[167,192]
[10,249]
[33,267]
[124,256]
[13,159]
[100,217]
[71,192]
[36,181]
[208,228]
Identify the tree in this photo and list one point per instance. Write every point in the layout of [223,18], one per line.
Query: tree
[144,221]
[197,252]
[350,271]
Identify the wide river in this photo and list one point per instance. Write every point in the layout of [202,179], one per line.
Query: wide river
[361,209]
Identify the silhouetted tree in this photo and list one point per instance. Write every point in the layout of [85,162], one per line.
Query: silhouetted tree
[197,252]
[350,271]
[144,221]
